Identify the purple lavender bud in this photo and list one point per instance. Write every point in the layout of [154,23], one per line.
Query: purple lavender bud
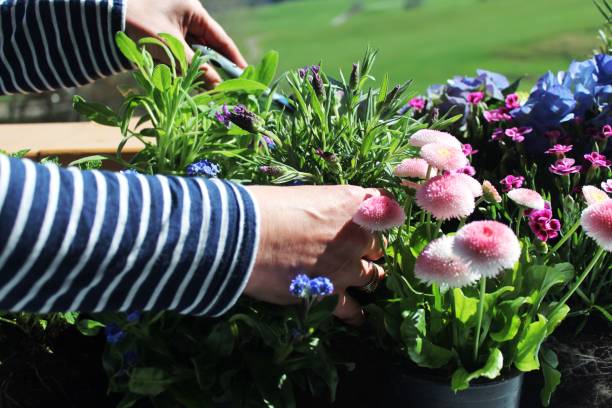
[315,69]
[327,156]
[269,142]
[223,116]
[355,77]
[302,72]
[317,84]
[245,119]
[273,171]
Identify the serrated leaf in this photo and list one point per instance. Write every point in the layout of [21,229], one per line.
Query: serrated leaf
[491,369]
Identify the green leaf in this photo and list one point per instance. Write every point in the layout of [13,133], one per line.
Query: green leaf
[321,311]
[555,319]
[95,112]
[418,240]
[162,77]
[89,327]
[507,322]
[149,381]
[420,349]
[461,378]
[529,345]
[239,84]
[465,307]
[552,376]
[266,70]
[178,50]
[128,48]
[248,73]
[88,159]
[69,317]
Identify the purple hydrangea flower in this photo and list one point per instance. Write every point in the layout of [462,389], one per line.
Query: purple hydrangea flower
[321,286]
[597,160]
[564,167]
[300,286]
[511,182]
[113,333]
[203,168]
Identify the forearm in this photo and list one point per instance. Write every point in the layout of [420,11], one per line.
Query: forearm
[99,241]
[46,45]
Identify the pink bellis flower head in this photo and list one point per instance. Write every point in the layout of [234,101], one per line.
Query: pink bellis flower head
[446,196]
[426,136]
[542,224]
[593,195]
[417,104]
[565,167]
[527,198]
[597,160]
[490,193]
[607,186]
[488,247]
[518,134]
[443,156]
[475,98]
[513,101]
[438,264]
[471,182]
[596,220]
[379,214]
[559,150]
[511,182]
[416,168]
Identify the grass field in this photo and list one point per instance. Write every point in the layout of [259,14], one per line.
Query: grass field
[429,43]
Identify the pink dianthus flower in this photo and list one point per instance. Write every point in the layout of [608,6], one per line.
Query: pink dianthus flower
[511,182]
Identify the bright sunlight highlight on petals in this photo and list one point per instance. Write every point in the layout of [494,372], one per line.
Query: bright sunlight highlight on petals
[438,264]
[527,198]
[596,221]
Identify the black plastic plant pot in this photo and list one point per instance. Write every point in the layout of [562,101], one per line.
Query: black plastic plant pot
[424,392]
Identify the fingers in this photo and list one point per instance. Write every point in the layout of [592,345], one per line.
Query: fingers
[373,251]
[211,77]
[360,274]
[349,310]
[209,32]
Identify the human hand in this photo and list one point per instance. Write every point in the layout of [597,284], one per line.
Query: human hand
[309,229]
[185,20]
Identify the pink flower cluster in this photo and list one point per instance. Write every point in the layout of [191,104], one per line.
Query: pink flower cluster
[417,104]
[559,150]
[565,167]
[475,98]
[518,134]
[542,224]
[513,101]
[497,115]
[597,160]
[511,182]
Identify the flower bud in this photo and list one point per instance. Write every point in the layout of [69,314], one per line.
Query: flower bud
[355,78]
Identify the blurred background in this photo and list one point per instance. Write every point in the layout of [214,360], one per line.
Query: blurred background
[427,41]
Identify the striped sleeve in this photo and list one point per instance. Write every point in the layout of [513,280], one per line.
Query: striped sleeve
[96,241]
[51,44]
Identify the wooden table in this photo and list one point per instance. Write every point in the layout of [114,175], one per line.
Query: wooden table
[68,141]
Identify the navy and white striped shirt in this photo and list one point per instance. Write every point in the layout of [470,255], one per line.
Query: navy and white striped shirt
[102,241]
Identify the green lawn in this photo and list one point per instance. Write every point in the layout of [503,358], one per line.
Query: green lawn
[430,43]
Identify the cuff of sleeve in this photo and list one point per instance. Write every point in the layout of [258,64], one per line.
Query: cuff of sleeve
[247,252]
[118,23]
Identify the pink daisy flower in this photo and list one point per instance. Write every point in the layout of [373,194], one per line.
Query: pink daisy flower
[488,247]
[379,214]
[490,193]
[527,198]
[559,149]
[473,184]
[438,264]
[426,136]
[446,196]
[513,101]
[416,168]
[443,156]
[593,195]
[607,186]
[475,98]
[596,221]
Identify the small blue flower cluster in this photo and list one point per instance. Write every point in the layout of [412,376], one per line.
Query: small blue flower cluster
[113,333]
[302,286]
[203,168]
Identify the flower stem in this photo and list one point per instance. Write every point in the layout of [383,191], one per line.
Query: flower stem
[518,222]
[581,279]
[483,289]
[562,241]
